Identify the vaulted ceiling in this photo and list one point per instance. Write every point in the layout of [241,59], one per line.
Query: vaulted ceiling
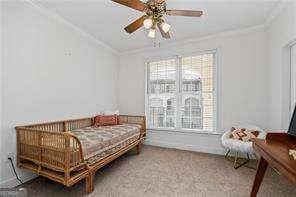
[105,20]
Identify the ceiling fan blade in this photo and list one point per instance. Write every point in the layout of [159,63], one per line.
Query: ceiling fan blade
[135,25]
[163,34]
[190,13]
[135,4]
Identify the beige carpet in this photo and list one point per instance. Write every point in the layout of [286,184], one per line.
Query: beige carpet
[168,172]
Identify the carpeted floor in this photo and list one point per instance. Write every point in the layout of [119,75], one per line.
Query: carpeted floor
[161,172]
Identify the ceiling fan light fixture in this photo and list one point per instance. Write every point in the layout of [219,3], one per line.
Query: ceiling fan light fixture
[151,33]
[165,27]
[148,23]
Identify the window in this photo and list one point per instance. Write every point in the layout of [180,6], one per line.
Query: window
[180,93]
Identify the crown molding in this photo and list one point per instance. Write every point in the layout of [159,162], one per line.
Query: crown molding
[257,28]
[281,5]
[67,23]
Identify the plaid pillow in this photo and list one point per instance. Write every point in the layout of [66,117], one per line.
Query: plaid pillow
[243,134]
[103,120]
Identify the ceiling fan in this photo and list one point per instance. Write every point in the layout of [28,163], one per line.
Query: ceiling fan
[154,11]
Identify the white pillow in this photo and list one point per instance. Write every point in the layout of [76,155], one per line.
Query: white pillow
[111,112]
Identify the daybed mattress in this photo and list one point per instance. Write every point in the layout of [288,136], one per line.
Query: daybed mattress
[99,142]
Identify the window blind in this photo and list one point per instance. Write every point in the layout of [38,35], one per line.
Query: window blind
[197,92]
[161,93]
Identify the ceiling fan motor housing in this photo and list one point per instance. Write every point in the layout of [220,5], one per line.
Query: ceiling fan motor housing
[155,10]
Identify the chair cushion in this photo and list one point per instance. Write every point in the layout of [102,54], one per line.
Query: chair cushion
[243,134]
[99,142]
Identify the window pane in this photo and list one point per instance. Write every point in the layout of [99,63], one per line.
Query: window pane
[162,94]
[191,112]
[197,92]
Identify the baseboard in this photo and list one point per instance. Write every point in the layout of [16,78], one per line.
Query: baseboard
[211,150]
[13,182]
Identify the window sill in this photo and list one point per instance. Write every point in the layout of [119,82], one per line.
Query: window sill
[191,131]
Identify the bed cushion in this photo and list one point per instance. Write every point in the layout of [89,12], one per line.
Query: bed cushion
[99,142]
[105,120]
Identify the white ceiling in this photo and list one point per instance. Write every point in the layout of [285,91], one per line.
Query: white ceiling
[105,20]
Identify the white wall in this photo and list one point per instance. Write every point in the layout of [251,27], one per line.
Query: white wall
[50,72]
[242,93]
[1,137]
[281,32]
[293,79]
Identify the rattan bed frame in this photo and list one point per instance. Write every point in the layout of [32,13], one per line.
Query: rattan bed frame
[50,151]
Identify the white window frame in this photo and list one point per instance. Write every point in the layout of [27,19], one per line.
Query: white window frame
[178,59]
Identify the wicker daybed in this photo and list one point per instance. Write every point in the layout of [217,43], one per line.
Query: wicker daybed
[61,150]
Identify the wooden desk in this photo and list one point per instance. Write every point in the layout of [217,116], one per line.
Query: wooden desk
[275,152]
